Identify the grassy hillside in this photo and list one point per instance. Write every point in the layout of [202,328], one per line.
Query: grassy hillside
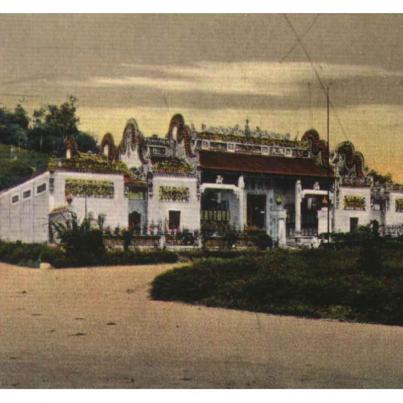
[15,165]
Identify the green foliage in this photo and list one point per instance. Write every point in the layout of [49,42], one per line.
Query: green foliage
[83,244]
[197,254]
[379,178]
[31,255]
[28,254]
[139,257]
[47,130]
[261,239]
[18,164]
[12,172]
[319,283]
[230,237]
[52,125]
[34,139]
[13,126]
[127,235]
[85,142]
[185,237]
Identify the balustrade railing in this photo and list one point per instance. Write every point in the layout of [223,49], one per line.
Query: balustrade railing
[215,215]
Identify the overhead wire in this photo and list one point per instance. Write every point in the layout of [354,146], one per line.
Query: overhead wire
[317,75]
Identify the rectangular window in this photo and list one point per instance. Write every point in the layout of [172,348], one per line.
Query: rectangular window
[174,219]
[15,199]
[26,194]
[41,188]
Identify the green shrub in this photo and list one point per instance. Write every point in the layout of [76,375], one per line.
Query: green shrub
[27,254]
[127,238]
[261,239]
[139,257]
[83,244]
[32,254]
[230,237]
[370,258]
[321,283]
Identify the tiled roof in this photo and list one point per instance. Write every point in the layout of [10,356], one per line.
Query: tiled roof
[211,160]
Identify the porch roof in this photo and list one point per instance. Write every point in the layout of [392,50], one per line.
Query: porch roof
[221,161]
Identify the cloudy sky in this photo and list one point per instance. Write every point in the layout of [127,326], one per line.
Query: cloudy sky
[215,69]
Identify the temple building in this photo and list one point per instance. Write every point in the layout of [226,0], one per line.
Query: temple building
[212,179]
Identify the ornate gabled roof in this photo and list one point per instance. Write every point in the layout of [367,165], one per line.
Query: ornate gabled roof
[244,163]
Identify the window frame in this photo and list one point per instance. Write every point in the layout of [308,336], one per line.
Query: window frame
[27,197]
[13,196]
[37,192]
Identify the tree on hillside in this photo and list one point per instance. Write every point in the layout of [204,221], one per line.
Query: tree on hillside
[14,126]
[51,126]
[379,178]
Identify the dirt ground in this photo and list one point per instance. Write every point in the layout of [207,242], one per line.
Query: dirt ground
[97,328]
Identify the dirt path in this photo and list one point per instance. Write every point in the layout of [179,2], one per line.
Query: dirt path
[98,328]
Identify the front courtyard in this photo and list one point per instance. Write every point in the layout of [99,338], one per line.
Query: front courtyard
[98,328]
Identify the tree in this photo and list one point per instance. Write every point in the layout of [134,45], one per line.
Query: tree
[13,126]
[86,143]
[54,124]
[379,178]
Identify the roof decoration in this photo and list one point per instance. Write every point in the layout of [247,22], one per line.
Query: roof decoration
[319,147]
[173,166]
[241,138]
[108,147]
[132,139]
[179,133]
[348,161]
[248,132]
[85,162]
[71,147]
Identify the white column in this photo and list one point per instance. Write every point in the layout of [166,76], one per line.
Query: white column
[322,221]
[282,240]
[242,203]
[279,215]
[298,200]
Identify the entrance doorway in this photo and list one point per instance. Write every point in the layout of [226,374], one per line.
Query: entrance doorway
[309,216]
[256,209]
[135,222]
[174,220]
[353,224]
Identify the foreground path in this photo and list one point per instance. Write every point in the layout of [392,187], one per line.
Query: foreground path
[98,328]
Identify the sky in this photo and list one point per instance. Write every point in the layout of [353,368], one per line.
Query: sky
[217,69]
